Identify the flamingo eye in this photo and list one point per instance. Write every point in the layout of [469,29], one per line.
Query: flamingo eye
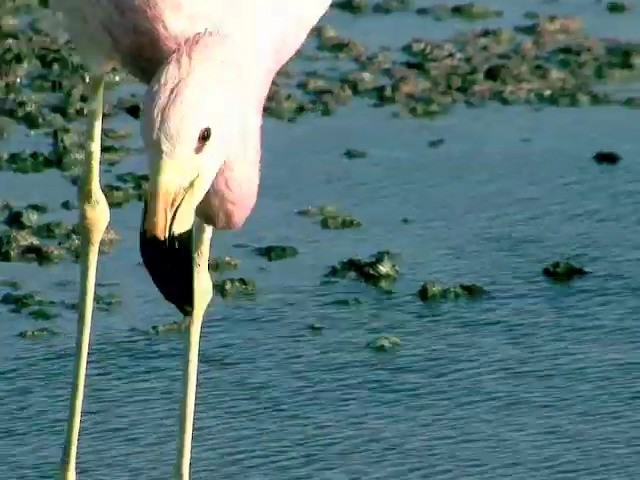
[203,138]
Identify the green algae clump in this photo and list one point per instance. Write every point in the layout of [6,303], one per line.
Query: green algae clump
[384,343]
[606,157]
[353,7]
[21,301]
[38,333]
[432,291]
[330,218]
[617,7]
[563,271]
[379,271]
[235,287]
[339,222]
[275,253]
[173,327]
[224,264]
[353,153]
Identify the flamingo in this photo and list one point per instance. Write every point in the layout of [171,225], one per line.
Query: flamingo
[208,66]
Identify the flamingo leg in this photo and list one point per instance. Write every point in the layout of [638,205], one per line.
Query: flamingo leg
[202,295]
[94,217]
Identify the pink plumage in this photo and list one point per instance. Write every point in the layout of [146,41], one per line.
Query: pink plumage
[208,65]
[140,36]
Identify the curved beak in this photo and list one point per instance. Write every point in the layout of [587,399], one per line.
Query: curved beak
[175,190]
[170,201]
[170,265]
[167,210]
[166,236]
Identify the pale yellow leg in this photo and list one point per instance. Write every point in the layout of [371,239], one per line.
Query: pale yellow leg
[94,217]
[202,293]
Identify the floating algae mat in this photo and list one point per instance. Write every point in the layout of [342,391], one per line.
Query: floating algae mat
[549,61]
[235,287]
[23,238]
[38,333]
[330,218]
[384,343]
[433,291]
[224,264]
[466,11]
[564,271]
[39,308]
[274,253]
[380,270]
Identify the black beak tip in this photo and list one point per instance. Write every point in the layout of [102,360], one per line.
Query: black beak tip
[170,265]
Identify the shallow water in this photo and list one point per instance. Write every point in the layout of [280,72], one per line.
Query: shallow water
[537,381]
